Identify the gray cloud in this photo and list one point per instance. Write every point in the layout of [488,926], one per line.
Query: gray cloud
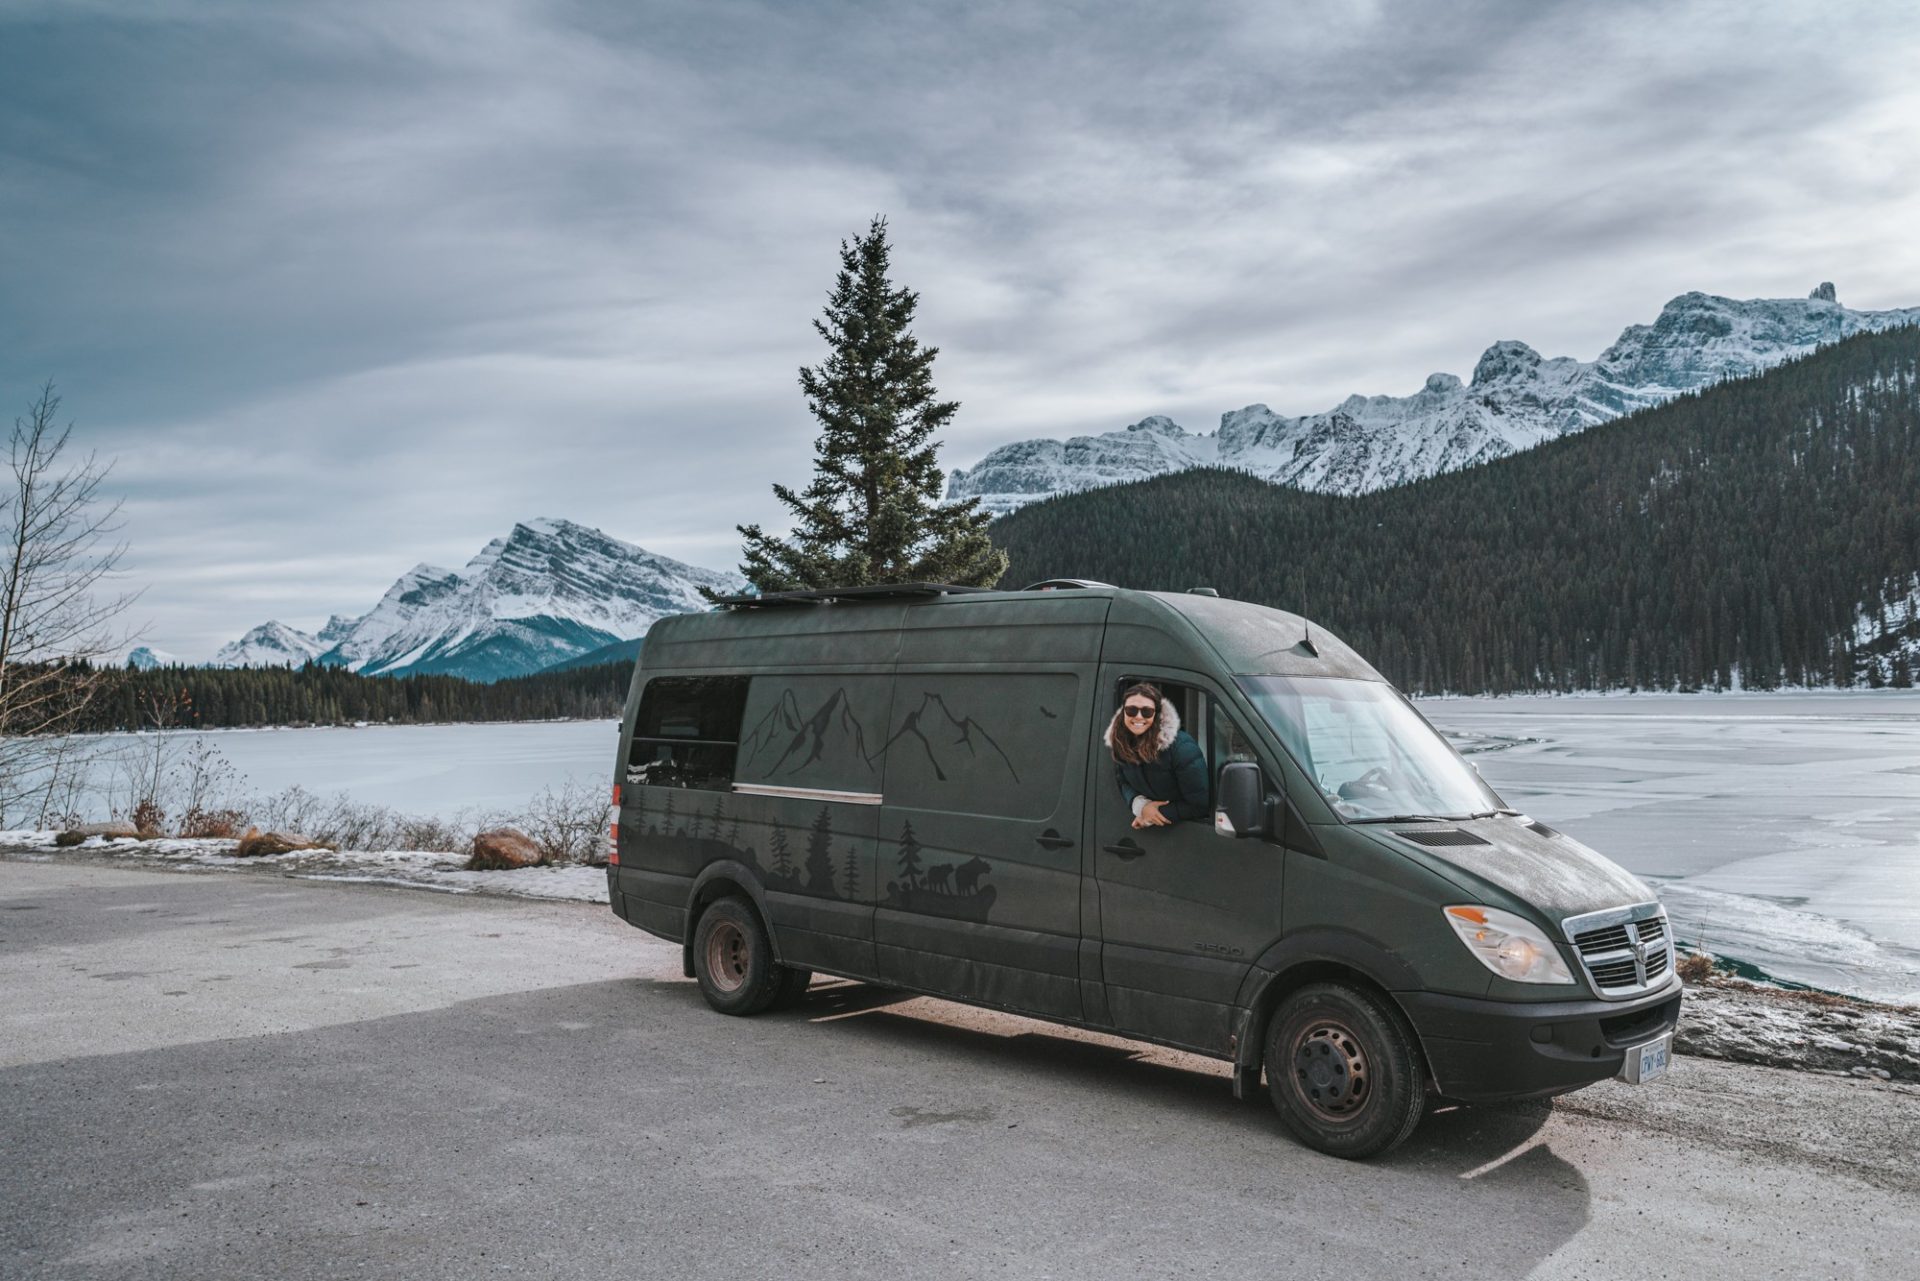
[346,288]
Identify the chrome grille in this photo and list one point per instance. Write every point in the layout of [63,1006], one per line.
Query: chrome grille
[1625,950]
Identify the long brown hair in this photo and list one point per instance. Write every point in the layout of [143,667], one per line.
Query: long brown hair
[1137,749]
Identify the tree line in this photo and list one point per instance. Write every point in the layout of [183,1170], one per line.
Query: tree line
[1734,536]
[233,697]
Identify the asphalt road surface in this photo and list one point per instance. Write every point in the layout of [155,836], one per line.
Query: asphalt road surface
[212,1076]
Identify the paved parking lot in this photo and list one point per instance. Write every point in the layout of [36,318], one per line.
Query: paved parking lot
[242,1076]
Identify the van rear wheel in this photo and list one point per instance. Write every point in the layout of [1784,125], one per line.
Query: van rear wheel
[733,958]
[1344,1071]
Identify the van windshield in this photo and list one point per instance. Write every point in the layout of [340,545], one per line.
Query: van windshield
[1368,751]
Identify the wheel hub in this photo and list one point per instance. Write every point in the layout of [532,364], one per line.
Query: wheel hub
[1330,1071]
[727,956]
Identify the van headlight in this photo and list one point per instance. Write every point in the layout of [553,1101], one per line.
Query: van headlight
[1511,947]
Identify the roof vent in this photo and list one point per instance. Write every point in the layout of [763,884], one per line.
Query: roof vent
[1541,828]
[1201,591]
[1446,836]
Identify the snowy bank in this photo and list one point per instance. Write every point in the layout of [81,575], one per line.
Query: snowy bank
[445,872]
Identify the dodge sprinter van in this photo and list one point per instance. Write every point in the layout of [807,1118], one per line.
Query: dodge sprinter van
[907,785]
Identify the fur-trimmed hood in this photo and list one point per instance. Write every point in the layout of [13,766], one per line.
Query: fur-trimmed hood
[1166,727]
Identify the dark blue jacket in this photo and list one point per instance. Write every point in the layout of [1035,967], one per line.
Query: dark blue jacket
[1178,774]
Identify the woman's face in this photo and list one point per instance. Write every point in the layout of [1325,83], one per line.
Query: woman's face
[1139,713]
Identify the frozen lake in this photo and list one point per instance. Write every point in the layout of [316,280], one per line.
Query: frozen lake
[1782,829]
[440,770]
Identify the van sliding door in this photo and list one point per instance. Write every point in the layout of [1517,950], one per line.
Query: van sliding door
[980,843]
[805,808]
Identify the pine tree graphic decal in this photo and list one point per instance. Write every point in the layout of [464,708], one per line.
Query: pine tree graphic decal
[820,853]
[782,856]
[909,855]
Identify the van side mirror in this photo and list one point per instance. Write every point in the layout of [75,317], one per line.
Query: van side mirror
[1243,801]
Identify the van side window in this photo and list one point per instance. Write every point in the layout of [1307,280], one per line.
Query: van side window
[687,732]
[992,744]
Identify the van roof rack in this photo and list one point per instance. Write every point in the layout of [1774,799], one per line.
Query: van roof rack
[821,595]
[1056,584]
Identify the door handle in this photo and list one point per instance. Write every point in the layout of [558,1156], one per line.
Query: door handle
[1052,840]
[1125,849]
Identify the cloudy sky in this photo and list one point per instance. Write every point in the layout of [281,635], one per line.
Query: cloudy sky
[344,287]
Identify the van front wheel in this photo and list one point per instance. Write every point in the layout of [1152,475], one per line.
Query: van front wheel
[733,958]
[1344,1071]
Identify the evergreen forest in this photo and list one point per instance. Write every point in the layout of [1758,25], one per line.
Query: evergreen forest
[223,697]
[1734,537]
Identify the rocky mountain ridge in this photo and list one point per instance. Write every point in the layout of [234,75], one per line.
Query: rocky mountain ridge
[550,591]
[1515,400]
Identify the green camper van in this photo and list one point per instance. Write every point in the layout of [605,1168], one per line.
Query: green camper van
[908,785]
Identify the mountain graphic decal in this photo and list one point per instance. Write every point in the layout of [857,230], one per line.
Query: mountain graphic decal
[787,740]
[940,733]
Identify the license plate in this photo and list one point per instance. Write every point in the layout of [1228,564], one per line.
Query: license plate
[1645,1062]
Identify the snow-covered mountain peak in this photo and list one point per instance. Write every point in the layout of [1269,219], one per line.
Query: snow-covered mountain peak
[1507,361]
[272,644]
[548,591]
[1160,425]
[146,658]
[337,628]
[1516,400]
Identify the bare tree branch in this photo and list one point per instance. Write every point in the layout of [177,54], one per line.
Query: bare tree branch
[58,551]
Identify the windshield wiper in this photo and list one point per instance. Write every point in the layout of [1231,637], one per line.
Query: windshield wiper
[1412,818]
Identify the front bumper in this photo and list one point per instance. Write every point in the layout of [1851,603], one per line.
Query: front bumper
[1482,1051]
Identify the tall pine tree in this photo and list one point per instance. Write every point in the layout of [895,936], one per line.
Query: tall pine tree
[873,512]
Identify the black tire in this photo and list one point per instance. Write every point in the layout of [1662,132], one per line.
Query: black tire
[793,987]
[1344,1071]
[733,958]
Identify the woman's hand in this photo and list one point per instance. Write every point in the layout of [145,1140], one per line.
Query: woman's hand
[1153,814]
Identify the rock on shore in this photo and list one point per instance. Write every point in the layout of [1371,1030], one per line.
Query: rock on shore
[1728,1018]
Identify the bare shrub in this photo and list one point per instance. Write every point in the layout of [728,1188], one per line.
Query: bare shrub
[220,824]
[293,807]
[148,817]
[1694,967]
[570,825]
[413,832]
[206,779]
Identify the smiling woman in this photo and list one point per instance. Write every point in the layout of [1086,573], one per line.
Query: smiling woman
[1161,771]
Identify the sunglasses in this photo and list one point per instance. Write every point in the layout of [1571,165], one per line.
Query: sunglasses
[1139,713]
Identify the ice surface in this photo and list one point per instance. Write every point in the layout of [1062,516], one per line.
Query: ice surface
[1781,829]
